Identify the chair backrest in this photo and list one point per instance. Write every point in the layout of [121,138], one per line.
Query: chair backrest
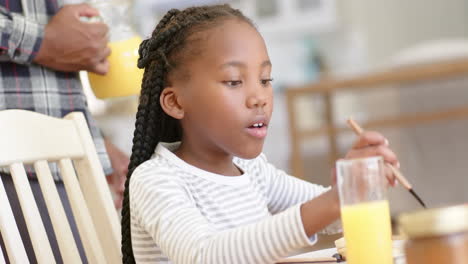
[2,258]
[30,138]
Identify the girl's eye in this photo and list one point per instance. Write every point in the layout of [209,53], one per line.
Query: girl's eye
[267,81]
[232,83]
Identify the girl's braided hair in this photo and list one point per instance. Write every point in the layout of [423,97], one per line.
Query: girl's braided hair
[160,55]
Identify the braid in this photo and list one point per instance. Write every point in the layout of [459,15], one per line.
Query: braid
[158,55]
[165,20]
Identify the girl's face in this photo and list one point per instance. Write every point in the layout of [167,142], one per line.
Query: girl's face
[227,100]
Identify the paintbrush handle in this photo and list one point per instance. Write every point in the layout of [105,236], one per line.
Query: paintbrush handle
[307,260]
[356,128]
[401,179]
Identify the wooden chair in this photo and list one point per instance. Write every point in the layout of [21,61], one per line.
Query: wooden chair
[31,138]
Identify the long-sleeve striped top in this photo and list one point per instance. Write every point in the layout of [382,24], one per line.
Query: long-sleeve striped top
[182,214]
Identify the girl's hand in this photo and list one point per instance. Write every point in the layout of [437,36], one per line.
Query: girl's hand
[371,143]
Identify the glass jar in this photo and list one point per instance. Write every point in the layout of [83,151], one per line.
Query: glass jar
[124,77]
[436,236]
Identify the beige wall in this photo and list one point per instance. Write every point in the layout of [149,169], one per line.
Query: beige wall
[391,25]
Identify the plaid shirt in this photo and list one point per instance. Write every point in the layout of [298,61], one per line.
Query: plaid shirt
[29,86]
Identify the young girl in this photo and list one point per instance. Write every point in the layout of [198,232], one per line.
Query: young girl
[199,190]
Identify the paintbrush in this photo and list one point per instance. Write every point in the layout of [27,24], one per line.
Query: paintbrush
[336,258]
[358,130]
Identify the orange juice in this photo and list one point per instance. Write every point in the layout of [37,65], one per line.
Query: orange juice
[367,232]
[124,77]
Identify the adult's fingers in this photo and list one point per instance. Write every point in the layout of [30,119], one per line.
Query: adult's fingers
[86,10]
[103,54]
[100,68]
[98,29]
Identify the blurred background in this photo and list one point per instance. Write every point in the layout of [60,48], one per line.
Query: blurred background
[399,67]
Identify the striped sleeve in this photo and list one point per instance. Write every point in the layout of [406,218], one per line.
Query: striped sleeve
[284,191]
[20,38]
[163,207]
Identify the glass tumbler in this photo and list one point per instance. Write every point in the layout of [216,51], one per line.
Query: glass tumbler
[365,212]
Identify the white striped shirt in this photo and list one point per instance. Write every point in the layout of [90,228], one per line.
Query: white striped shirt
[182,214]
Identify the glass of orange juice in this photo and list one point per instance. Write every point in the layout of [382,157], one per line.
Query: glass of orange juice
[124,77]
[365,212]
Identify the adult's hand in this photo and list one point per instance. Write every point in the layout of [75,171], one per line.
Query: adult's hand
[70,44]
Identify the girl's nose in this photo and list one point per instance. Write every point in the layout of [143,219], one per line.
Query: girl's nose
[257,100]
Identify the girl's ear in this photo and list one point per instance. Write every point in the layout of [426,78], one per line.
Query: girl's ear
[170,103]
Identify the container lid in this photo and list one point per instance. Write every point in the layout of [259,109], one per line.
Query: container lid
[435,222]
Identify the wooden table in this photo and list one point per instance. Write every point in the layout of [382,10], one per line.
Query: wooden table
[328,253]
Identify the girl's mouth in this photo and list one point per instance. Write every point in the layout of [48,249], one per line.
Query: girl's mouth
[258,130]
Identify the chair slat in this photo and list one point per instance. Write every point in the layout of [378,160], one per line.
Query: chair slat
[97,193]
[10,234]
[2,258]
[65,138]
[83,220]
[33,220]
[63,233]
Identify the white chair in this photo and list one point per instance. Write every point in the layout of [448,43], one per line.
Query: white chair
[2,258]
[31,138]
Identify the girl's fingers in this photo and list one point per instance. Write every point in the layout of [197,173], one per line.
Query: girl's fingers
[390,176]
[381,150]
[371,143]
[386,153]
[370,138]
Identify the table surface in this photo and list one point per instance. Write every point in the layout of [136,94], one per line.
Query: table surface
[328,252]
